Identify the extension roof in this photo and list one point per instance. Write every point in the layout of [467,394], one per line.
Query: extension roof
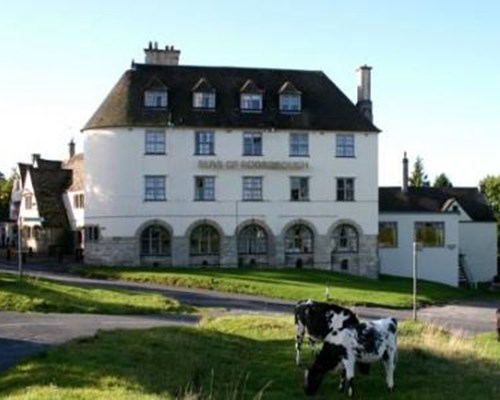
[324,106]
[77,166]
[435,200]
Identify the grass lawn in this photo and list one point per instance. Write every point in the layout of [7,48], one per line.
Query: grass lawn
[292,284]
[30,294]
[245,357]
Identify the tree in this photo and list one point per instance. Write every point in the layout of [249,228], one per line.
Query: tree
[5,190]
[442,181]
[490,187]
[418,177]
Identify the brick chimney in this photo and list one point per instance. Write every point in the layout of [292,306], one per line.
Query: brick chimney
[405,173]
[364,88]
[156,56]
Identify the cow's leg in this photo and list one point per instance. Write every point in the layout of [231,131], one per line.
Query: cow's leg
[312,344]
[389,360]
[348,364]
[342,379]
[299,337]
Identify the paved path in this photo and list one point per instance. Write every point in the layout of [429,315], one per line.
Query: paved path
[23,334]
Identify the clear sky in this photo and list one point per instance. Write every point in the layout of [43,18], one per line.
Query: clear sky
[435,78]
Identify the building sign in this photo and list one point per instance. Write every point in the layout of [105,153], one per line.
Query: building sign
[286,165]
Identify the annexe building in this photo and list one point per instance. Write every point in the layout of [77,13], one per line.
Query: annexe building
[229,166]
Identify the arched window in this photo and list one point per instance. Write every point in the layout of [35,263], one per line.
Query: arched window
[299,239]
[205,240]
[252,240]
[155,241]
[345,239]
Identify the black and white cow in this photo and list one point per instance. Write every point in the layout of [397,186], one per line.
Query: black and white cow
[318,320]
[365,343]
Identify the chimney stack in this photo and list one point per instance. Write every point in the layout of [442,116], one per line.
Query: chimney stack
[35,157]
[156,56]
[71,148]
[364,88]
[405,173]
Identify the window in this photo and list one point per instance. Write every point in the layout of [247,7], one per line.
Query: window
[28,201]
[155,241]
[79,200]
[204,188]
[344,145]
[204,100]
[345,189]
[205,240]
[299,144]
[388,234]
[91,233]
[299,239]
[345,239]
[252,144]
[252,188]
[155,142]
[205,143]
[252,240]
[154,188]
[299,188]
[155,98]
[290,103]
[429,234]
[251,102]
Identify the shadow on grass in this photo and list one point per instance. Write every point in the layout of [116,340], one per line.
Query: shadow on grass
[170,361]
[37,295]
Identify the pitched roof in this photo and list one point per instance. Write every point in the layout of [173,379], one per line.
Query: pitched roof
[435,200]
[324,106]
[77,166]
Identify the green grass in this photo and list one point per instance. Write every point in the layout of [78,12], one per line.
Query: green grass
[245,357]
[292,284]
[30,294]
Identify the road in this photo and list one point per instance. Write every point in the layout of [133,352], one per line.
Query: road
[23,334]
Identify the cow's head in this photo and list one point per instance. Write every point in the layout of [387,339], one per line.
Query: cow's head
[328,358]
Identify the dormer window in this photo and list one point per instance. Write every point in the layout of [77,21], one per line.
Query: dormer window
[203,95]
[155,98]
[250,97]
[156,95]
[290,98]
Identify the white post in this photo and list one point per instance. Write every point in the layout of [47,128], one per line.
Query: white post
[19,247]
[415,249]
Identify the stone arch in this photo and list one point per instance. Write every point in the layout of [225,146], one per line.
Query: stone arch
[299,237]
[345,237]
[154,240]
[254,251]
[205,248]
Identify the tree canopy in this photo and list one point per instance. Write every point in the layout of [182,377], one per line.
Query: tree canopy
[5,190]
[442,181]
[418,177]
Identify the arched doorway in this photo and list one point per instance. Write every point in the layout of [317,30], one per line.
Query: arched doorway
[252,246]
[345,248]
[155,245]
[299,245]
[204,245]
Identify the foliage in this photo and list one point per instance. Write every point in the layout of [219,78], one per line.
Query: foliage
[5,191]
[245,357]
[490,186]
[442,181]
[39,295]
[290,284]
[418,177]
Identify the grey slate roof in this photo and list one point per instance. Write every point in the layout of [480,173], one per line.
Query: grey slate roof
[434,200]
[324,106]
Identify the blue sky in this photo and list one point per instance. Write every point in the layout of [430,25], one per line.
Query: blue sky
[435,84]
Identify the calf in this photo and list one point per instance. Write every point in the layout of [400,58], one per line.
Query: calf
[365,343]
[498,324]
[318,320]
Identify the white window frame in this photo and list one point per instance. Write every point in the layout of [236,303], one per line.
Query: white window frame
[345,146]
[204,143]
[290,103]
[390,239]
[437,226]
[299,144]
[155,188]
[252,188]
[156,99]
[346,189]
[299,188]
[252,143]
[204,188]
[155,142]
[251,102]
[204,100]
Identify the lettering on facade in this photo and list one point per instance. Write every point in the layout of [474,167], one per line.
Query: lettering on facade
[231,164]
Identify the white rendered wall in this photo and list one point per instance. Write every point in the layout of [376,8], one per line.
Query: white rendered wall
[478,243]
[75,215]
[115,167]
[438,264]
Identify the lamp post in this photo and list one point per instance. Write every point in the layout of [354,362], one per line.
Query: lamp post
[416,248]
